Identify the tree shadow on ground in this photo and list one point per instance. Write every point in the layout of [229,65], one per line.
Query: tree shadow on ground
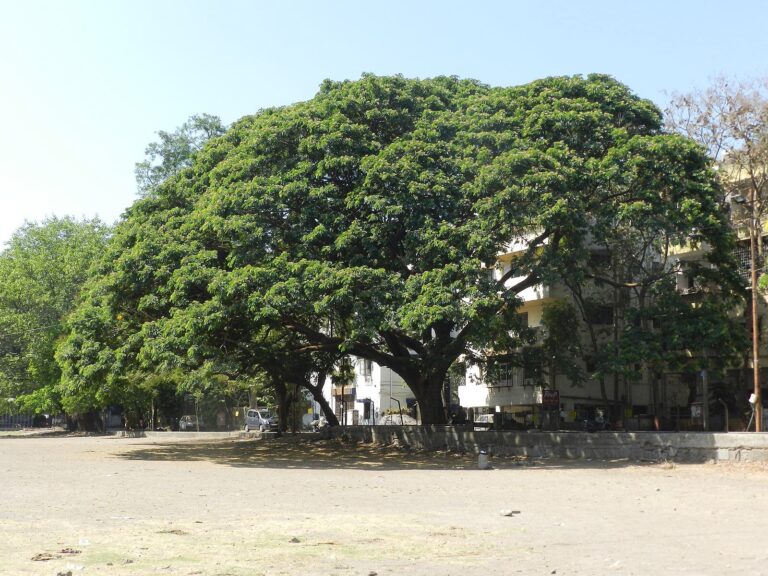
[292,453]
[37,433]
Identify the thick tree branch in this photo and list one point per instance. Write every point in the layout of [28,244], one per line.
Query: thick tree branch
[332,343]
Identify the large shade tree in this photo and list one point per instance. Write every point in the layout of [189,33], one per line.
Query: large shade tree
[365,221]
[41,273]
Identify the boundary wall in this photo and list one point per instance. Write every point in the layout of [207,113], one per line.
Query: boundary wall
[639,446]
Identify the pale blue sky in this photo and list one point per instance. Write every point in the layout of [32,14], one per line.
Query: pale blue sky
[86,84]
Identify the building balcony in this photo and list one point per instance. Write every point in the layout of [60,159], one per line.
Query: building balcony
[514,395]
[500,394]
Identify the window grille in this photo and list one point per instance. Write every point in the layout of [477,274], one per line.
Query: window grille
[743,259]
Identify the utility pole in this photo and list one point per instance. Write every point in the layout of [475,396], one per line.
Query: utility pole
[753,236]
[705,394]
[755,233]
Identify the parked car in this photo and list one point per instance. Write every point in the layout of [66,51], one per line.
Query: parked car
[191,423]
[508,422]
[262,420]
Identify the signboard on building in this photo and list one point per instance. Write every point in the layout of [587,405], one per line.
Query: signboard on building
[550,399]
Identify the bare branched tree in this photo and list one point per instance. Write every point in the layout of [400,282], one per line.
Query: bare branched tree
[730,120]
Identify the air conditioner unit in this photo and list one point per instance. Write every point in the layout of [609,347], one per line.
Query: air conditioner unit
[529,382]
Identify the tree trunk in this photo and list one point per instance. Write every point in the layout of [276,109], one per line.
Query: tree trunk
[87,421]
[330,417]
[317,394]
[648,378]
[617,411]
[282,406]
[578,297]
[604,394]
[428,390]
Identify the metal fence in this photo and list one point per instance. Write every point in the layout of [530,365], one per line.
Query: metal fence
[15,421]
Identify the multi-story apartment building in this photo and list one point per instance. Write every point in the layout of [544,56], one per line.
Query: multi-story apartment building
[648,398]
[527,391]
[511,388]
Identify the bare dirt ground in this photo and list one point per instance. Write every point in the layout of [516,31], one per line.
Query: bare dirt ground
[102,505]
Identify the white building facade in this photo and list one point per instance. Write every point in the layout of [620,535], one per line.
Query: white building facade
[373,392]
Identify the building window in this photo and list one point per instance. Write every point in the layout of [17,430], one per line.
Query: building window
[531,373]
[366,368]
[503,372]
[744,258]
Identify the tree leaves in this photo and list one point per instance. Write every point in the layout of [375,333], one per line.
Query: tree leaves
[41,274]
[366,221]
[175,151]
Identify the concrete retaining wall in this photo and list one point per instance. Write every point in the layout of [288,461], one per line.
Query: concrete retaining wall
[638,446]
[192,435]
[175,436]
[643,446]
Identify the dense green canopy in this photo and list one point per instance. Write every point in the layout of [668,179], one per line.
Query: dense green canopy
[365,220]
[41,272]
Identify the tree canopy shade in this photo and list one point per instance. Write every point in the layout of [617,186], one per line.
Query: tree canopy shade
[41,273]
[365,220]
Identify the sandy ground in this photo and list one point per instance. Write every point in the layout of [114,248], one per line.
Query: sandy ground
[96,505]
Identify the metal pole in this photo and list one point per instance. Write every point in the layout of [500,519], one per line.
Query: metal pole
[399,408]
[705,402]
[755,332]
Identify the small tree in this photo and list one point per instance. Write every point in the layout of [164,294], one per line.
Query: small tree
[175,151]
[561,350]
[730,120]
